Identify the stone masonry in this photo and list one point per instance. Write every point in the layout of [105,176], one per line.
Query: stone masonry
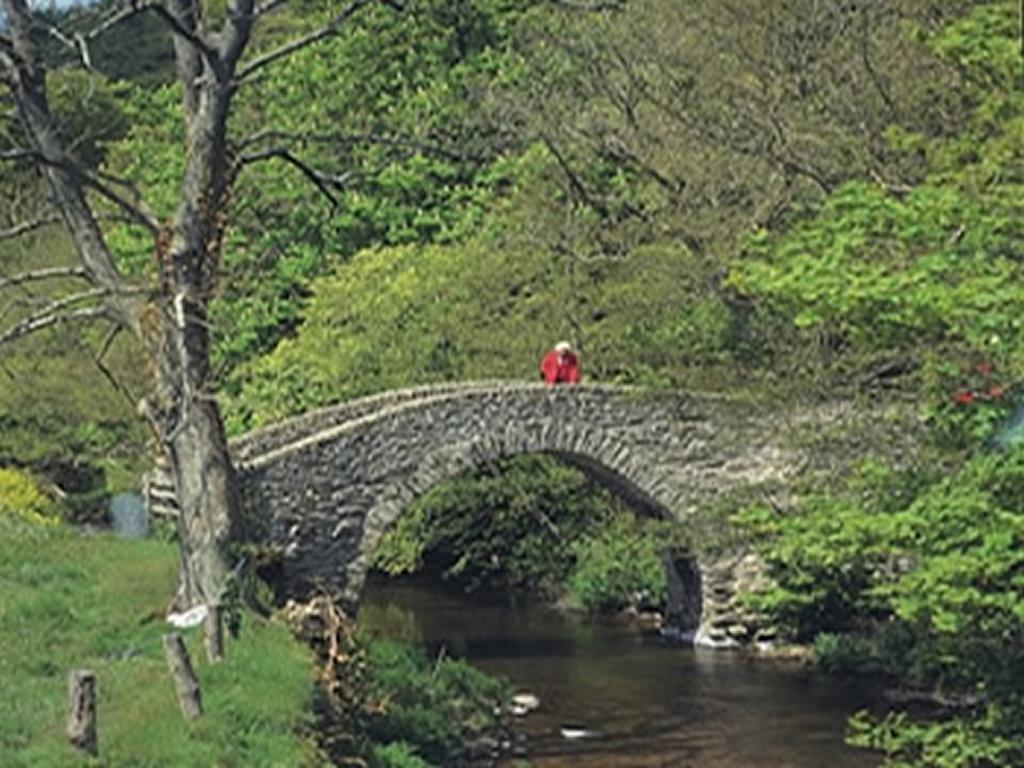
[323,487]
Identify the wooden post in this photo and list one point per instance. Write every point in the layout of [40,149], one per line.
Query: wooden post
[213,632]
[81,728]
[184,677]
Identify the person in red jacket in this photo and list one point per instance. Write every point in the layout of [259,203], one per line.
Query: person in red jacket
[569,370]
[560,365]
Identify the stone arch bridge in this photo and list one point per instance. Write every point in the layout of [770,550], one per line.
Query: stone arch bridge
[324,486]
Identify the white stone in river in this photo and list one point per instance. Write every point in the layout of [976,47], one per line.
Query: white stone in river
[523,703]
[577,732]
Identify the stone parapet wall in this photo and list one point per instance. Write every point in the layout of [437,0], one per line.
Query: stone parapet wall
[269,438]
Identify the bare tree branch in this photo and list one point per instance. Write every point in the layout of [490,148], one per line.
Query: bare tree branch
[607,5]
[47,321]
[322,181]
[135,208]
[27,78]
[583,194]
[267,6]
[353,139]
[57,312]
[20,153]
[116,17]
[6,62]
[157,8]
[869,66]
[99,359]
[328,29]
[574,180]
[38,275]
[191,36]
[616,149]
[25,227]
[75,42]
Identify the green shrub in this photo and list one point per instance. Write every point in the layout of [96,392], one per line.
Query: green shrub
[506,526]
[397,754]
[21,497]
[990,739]
[839,653]
[934,579]
[431,708]
[618,565]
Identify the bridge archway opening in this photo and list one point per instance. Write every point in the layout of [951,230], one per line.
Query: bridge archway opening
[512,500]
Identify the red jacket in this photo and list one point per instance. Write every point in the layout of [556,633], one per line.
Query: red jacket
[569,369]
[549,367]
[561,368]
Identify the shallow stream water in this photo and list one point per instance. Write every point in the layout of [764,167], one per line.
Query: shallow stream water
[644,701]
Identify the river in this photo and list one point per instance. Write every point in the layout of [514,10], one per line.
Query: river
[644,702]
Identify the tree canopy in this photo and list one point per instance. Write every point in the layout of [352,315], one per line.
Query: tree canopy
[797,198]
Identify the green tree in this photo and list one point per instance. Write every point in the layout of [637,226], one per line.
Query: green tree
[923,565]
[927,273]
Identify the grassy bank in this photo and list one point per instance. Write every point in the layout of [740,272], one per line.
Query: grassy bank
[68,600]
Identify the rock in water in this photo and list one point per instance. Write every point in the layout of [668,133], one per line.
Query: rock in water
[523,703]
[577,732]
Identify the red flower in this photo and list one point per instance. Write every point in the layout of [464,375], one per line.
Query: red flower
[995,391]
[963,397]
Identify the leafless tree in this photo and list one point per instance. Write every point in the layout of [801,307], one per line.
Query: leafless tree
[169,317]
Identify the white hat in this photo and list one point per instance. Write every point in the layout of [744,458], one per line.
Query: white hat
[563,346]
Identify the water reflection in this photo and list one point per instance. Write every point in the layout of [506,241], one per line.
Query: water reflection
[651,704]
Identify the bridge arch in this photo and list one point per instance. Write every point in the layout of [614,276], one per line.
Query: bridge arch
[324,487]
[321,488]
[593,451]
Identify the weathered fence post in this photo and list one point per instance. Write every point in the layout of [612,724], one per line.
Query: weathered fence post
[81,728]
[184,677]
[213,632]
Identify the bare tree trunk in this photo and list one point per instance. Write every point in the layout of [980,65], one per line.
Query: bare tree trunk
[213,632]
[171,319]
[208,503]
[189,254]
[185,682]
[174,328]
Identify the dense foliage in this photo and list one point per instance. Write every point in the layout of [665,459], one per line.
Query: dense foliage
[919,570]
[928,573]
[21,497]
[511,525]
[429,710]
[532,524]
[620,564]
[826,195]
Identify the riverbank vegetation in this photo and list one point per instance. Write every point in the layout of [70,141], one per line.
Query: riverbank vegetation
[917,570]
[796,201]
[75,600]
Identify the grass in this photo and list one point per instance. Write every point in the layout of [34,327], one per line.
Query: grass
[69,600]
